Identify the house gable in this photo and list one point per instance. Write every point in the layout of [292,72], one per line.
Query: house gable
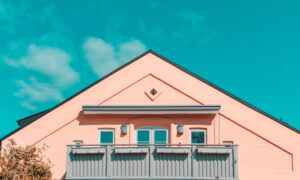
[28,120]
[150,64]
[133,84]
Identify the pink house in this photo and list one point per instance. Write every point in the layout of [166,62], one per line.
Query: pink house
[152,119]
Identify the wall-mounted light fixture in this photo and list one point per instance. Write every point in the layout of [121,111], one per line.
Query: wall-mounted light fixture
[180,129]
[124,129]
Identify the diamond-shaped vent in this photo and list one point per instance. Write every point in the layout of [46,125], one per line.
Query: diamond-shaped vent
[153,92]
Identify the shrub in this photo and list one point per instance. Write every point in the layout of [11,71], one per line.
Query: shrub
[24,163]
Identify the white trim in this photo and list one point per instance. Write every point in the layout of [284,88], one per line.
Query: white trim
[106,130]
[151,130]
[199,130]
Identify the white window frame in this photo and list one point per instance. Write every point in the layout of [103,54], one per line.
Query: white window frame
[80,143]
[106,130]
[199,130]
[151,130]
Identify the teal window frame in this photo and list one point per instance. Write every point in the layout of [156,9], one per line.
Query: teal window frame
[152,130]
[143,142]
[154,136]
[107,130]
[198,130]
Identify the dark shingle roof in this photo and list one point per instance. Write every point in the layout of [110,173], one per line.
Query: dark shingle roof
[27,120]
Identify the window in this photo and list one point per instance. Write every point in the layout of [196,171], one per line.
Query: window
[228,143]
[78,144]
[106,136]
[160,137]
[198,136]
[143,137]
[152,135]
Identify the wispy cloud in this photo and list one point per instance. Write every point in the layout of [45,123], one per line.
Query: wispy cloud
[182,27]
[34,91]
[103,57]
[7,16]
[129,50]
[100,55]
[18,14]
[37,50]
[192,23]
[192,17]
[50,61]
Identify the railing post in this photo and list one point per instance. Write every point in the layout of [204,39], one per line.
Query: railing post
[194,168]
[235,163]
[108,160]
[69,163]
[151,161]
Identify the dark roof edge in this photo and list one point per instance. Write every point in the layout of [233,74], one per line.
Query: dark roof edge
[27,119]
[179,67]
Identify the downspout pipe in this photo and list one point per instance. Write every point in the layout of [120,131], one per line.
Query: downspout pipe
[219,128]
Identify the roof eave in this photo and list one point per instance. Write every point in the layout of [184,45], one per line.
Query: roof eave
[161,109]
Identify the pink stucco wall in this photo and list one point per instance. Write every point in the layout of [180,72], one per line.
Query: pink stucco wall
[267,150]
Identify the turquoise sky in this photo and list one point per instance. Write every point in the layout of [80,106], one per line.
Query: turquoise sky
[50,50]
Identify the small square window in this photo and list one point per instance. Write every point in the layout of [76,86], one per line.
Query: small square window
[78,144]
[106,136]
[198,136]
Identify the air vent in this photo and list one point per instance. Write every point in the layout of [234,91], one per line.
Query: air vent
[153,92]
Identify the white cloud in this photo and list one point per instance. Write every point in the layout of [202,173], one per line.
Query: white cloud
[35,91]
[103,56]
[28,105]
[130,50]
[49,61]
[11,62]
[100,55]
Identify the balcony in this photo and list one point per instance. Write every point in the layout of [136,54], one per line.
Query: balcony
[152,162]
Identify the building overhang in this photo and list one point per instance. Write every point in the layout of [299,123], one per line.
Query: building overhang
[161,109]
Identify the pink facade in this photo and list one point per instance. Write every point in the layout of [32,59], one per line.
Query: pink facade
[267,150]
